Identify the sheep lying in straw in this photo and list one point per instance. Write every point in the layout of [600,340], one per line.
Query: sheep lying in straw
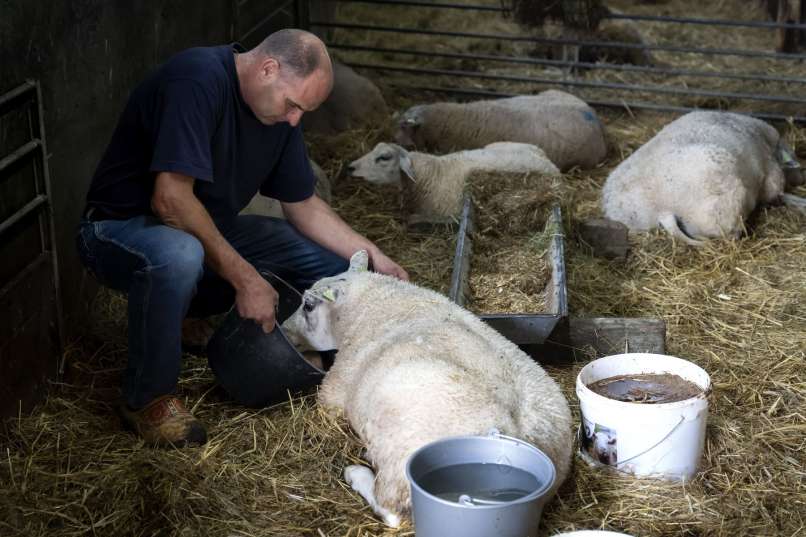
[433,185]
[412,368]
[264,206]
[699,177]
[563,126]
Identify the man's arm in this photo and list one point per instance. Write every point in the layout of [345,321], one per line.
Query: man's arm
[177,206]
[316,220]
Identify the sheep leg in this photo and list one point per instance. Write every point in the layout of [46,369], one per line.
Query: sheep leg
[362,480]
[669,222]
[797,202]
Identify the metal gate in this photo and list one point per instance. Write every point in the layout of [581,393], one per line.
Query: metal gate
[30,308]
[634,60]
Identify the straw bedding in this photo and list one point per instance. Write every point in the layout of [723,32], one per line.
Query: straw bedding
[733,307]
[736,308]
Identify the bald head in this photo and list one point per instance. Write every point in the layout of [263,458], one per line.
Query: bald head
[302,52]
[288,74]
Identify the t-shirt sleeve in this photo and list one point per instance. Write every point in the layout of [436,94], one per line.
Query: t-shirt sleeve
[292,179]
[185,119]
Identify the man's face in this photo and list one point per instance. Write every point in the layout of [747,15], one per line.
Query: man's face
[281,96]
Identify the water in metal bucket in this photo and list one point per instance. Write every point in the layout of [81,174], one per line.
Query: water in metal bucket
[479,483]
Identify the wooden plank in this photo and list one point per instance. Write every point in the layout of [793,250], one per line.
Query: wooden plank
[575,339]
[616,335]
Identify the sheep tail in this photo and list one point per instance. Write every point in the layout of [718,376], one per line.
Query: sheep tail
[670,223]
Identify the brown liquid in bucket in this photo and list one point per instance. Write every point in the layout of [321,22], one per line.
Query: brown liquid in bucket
[646,388]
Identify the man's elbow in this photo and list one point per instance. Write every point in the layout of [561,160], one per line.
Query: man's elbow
[166,206]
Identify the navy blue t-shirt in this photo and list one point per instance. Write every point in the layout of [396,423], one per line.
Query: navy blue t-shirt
[189,117]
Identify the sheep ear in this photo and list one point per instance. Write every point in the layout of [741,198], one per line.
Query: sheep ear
[359,261]
[786,156]
[405,164]
[329,295]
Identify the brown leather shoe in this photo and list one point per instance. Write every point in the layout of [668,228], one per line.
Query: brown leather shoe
[165,421]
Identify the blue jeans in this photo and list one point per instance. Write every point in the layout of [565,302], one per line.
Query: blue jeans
[162,271]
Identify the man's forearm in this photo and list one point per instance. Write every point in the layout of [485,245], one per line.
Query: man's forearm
[316,220]
[177,209]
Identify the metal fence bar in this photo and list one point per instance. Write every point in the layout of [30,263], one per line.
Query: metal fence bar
[587,84]
[707,22]
[27,209]
[553,41]
[614,16]
[470,7]
[562,63]
[609,104]
[12,99]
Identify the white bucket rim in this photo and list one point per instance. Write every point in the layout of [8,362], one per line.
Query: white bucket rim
[582,388]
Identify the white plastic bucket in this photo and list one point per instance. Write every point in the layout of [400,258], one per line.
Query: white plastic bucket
[660,440]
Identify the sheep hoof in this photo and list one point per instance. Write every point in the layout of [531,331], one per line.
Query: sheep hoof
[362,480]
[392,520]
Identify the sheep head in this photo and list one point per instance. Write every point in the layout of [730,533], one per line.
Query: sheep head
[408,125]
[793,173]
[383,165]
[311,326]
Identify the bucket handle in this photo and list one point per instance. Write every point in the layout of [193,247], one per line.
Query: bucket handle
[495,433]
[656,444]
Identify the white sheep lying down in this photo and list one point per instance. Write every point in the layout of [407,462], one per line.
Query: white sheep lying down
[563,126]
[433,185]
[413,367]
[700,177]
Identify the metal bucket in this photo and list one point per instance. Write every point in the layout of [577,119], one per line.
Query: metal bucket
[255,368]
[485,469]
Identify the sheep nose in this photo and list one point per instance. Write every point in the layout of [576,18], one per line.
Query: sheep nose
[350,169]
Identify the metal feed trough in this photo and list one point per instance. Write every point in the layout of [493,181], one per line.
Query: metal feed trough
[554,336]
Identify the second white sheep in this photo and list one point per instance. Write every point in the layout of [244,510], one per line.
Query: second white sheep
[433,185]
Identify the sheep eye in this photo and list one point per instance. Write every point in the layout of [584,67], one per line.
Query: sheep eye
[307,307]
[383,157]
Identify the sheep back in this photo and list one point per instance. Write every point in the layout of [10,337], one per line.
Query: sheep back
[354,102]
[563,126]
[708,169]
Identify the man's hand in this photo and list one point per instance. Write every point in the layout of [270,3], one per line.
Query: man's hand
[258,301]
[381,263]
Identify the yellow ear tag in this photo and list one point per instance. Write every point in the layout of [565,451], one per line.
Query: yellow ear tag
[329,295]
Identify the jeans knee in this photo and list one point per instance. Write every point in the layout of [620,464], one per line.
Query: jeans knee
[181,263]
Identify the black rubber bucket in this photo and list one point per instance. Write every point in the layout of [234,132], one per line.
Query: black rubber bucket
[255,368]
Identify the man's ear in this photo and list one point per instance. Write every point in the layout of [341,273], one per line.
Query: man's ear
[359,261]
[269,68]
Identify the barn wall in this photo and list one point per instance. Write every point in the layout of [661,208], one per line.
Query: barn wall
[87,56]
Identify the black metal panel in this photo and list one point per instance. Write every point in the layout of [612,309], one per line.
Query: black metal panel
[30,307]
[523,329]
